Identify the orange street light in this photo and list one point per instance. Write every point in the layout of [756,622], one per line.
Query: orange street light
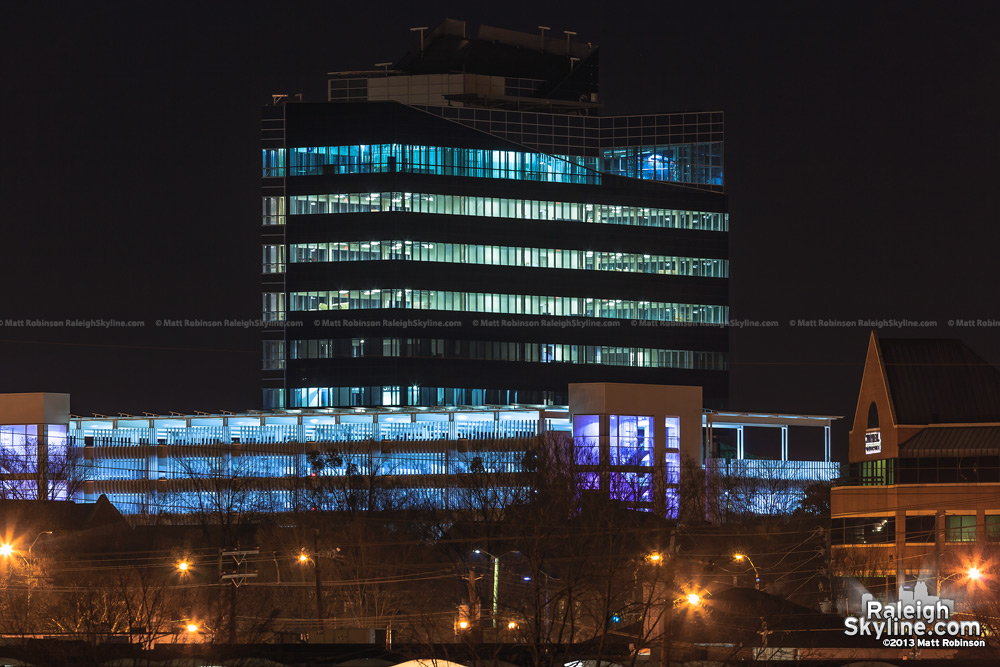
[463,624]
[512,625]
[973,574]
[303,557]
[693,599]
[738,557]
[6,549]
[656,558]
[183,566]
[191,627]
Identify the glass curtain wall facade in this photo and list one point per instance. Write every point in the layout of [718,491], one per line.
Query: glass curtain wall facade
[35,460]
[434,255]
[181,463]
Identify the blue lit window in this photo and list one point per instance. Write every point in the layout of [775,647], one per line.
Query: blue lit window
[697,163]
[441,161]
[497,207]
[273,163]
[464,253]
[502,304]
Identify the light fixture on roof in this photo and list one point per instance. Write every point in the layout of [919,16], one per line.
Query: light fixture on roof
[543,28]
[421,29]
[569,34]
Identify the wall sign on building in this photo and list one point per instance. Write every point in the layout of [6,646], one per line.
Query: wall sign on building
[873,442]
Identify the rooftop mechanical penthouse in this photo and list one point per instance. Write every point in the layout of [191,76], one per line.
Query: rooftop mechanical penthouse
[463,227]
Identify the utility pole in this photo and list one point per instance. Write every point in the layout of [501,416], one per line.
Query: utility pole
[475,630]
[237,577]
[496,588]
[764,632]
[320,611]
[232,615]
[667,640]
[473,599]
[939,522]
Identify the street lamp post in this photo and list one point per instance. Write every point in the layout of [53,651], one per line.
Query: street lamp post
[31,568]
[545,608]
[32,546]
[7,551]
[756,575]
[496,579]
[304,559]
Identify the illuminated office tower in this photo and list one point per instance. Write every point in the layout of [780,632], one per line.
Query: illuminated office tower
[463,227]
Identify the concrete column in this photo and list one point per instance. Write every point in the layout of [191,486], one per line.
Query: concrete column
[660,464]
[152,475]
[604,444]
[152,462]
[784,443]
[826,444]
[739,442]
[900,551]
[87,491]
[41,461]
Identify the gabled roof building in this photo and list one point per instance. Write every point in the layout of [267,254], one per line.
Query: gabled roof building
[923,498]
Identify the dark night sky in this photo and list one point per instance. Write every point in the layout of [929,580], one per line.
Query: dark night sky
[861,139]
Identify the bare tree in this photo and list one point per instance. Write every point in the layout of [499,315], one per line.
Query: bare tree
[51,471]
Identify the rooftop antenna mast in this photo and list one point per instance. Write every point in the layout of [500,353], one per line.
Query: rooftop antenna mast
[421,29]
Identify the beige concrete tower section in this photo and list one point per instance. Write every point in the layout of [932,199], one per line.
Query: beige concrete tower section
[36,408]
[39,410]
[653,400]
